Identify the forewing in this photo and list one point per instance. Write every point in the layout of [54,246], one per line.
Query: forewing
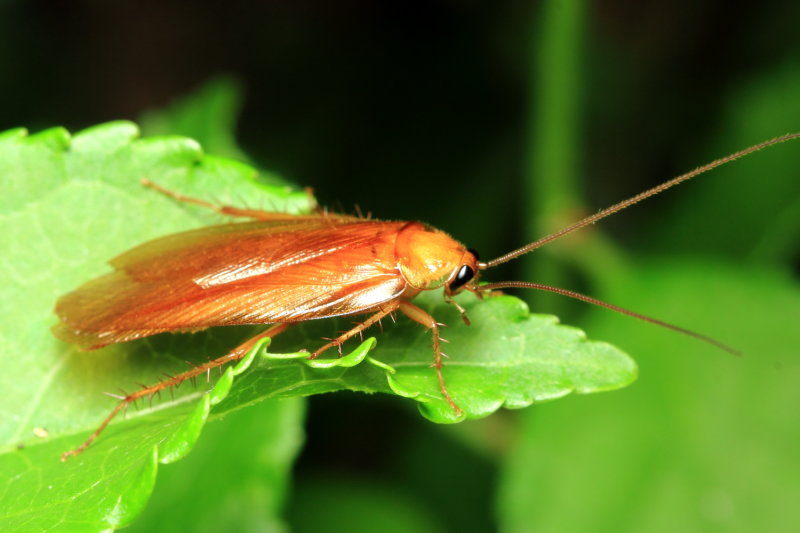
[236,274]
[211,249]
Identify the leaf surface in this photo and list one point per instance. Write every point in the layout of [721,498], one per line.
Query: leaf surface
[72,203]
[703,442]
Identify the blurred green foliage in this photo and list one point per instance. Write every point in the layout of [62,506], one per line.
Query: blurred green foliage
[431,111]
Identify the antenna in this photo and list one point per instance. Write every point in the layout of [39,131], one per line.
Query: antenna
[636,199]
[601,303]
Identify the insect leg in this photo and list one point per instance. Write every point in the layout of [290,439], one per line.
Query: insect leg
[234,355]
[461,310]
[257,214]
[419,315]
[387,309]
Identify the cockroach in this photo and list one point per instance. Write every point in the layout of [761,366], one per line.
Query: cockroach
[283,269]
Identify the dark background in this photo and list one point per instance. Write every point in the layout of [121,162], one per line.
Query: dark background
[425,110]
[409,110]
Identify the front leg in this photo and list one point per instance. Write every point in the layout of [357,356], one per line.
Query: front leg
[419,315]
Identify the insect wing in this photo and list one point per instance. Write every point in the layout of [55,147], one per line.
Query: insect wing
[209,248]
[247,273]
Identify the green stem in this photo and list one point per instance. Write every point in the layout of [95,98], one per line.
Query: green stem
[555,124]
[552,186]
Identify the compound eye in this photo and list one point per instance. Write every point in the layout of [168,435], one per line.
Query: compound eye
[465,273]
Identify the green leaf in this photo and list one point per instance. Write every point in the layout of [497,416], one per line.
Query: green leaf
[703,442]
[73,203]
[207,115]
[230,483]
[493,363]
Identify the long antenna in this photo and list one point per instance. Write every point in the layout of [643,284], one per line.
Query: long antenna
[636,199]
[601,303]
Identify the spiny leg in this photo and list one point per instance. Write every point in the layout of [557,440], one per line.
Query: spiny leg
[461,310]
[258,214]
[419,315]
[387,309]
[234,355]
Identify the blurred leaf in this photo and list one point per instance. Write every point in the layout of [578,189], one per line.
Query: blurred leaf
[72,204]
[704,442]
[207,115]
[727,210]
[236,477]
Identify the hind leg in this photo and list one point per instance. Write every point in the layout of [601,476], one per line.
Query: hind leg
[258,214]
[234,355]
